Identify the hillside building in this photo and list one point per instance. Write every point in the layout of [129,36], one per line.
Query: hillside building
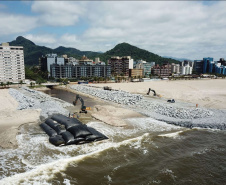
[11,63]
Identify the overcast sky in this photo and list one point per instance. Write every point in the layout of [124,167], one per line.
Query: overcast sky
[186,29]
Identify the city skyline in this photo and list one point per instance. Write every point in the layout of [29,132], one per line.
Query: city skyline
[185,29]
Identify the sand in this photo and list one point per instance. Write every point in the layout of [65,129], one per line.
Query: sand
[208,93]
[11,119]
[112,115]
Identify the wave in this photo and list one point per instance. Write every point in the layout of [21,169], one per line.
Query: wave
[172,135]
[45,172]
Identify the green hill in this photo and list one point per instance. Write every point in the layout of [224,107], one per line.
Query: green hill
[32,52]
[125,49]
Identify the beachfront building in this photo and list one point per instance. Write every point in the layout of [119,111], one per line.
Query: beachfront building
[78,71]
[120,65]
[175,68]
[137,73]
[208,65]
[146,66]
[198,66]
[46,61]
[11,63]
[161,71]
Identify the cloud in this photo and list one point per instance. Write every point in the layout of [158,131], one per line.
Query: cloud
[166,28]
[44,39]
[188,29]
[58,13]
[16,24]
[52,40]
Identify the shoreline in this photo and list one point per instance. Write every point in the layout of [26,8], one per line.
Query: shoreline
[24,106]
[208,93]
[11,119]
[180,113]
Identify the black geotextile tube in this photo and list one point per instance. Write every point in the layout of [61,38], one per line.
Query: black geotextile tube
[96,136]
[68,138]
[59,128]
[51,132]
[57,140]
[80,131]
[68,122]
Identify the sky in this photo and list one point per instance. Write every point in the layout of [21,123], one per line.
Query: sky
[182,29]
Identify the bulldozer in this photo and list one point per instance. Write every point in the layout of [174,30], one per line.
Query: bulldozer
[83,107]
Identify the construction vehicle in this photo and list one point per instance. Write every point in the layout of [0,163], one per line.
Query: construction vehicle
[107,88]
[152,91]
[83,107]
[171,101]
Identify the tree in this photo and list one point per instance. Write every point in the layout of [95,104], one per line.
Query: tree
[2,84]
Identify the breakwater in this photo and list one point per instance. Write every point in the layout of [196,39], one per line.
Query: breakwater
[173,113]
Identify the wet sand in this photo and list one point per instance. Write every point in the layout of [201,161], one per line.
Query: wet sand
[107,112]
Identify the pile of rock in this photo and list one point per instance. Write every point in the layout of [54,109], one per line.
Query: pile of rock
[174,112]
[31,99]
[137,102]
[120,97]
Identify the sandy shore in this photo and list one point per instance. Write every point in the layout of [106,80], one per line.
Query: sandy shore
[204,92]
[11,119]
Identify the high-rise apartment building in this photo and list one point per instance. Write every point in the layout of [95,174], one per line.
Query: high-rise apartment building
[78,71]
[198,66]
[48,60]
[208,65]
[121,65]
[11,63]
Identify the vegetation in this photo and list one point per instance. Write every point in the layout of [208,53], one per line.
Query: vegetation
[125,49]
[33,52]
[33,73]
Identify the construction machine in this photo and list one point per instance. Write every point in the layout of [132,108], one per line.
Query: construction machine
[152,91]
[83,107]
[107,88]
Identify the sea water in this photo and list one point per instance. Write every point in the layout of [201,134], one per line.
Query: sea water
[148,152]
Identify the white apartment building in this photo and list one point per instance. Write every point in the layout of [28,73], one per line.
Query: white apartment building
[11,63]
[175,68]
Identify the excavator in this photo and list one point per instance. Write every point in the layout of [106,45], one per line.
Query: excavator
[83,107]
[152,91]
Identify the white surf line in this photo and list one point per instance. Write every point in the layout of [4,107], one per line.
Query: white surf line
[47,171]
[172,135]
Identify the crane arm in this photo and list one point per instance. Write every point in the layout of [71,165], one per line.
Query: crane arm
[82,102]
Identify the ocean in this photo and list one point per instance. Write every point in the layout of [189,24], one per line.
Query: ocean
[147,152]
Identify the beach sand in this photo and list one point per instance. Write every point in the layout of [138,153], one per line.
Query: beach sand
[11,119]
[208,93]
